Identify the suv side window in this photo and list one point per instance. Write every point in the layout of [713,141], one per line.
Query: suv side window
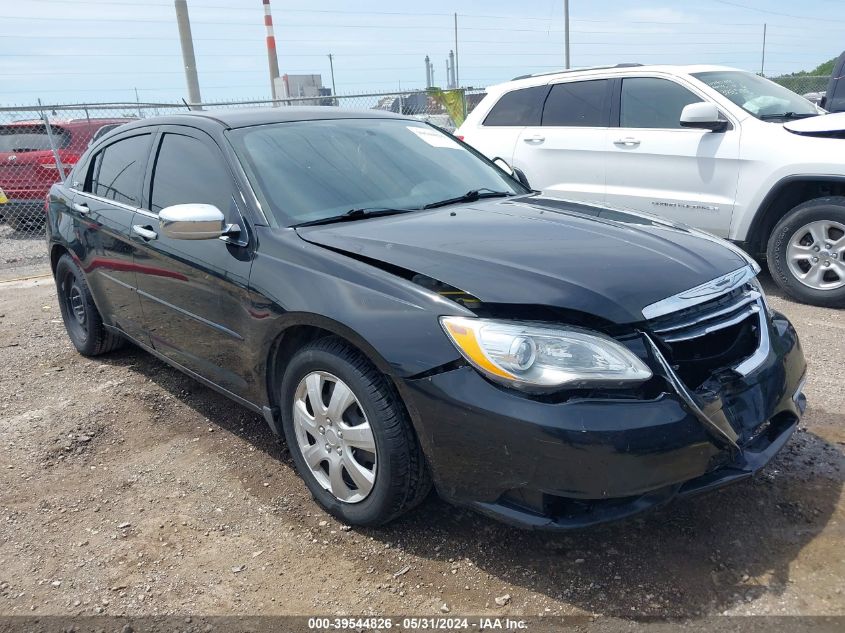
[653,103]
[577,104]
[518,107]
[188,170]
[118,170]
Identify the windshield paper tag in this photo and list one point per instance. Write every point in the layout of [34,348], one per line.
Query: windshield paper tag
[433,137]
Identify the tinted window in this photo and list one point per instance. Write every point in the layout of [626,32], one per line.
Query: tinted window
[187,170]
[580,103]
[656,103]
[518,107]
[835,101]
[31,138]
[119,170]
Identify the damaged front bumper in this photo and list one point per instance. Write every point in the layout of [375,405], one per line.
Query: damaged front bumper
[585,460]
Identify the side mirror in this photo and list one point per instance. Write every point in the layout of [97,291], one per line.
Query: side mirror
[521,177]
[502,164]
[513,172]
[703,116]
[194,222]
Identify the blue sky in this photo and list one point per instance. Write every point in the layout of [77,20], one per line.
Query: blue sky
[70,51]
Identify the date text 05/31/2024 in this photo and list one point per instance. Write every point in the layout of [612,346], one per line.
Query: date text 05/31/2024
[417,623]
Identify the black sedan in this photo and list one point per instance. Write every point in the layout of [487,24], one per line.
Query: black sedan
[407,313]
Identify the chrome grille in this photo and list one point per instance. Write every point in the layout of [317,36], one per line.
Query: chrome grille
[713,327]
[706,318]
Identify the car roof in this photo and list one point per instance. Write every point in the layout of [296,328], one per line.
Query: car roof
[619,69]
[246,117]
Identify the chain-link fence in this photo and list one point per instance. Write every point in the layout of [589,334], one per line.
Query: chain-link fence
[40,144]
[811,86]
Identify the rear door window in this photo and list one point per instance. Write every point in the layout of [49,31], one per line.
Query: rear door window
[118,170]
[649,102]
[578,104]
[518,108]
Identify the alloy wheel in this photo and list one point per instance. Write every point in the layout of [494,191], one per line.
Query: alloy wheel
[334,436]
[815,255]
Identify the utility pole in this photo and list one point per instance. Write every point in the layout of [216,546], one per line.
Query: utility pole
[763,61]
[566,29]
[272,59]
[188,59]
[457,75]
[331,67]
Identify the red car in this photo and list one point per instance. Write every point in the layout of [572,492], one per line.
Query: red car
[28,165]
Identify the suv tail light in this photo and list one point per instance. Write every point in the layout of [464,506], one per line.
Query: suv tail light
[68,160]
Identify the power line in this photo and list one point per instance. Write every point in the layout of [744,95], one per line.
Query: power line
[770,12]
[369,26]
[430,14]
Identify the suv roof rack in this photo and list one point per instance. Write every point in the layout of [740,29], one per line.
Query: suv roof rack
[577,70]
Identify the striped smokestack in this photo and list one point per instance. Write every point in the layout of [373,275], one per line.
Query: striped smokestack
[272,59]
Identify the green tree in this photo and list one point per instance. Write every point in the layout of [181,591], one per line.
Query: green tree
[821,70]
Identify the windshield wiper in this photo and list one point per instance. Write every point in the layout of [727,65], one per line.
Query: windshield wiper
[355,214]
[787,115]
[470,196]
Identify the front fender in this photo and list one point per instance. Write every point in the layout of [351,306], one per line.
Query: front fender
[297,283]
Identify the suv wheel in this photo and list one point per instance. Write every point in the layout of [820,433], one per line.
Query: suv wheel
[349,435]
[83,322]
[806,252]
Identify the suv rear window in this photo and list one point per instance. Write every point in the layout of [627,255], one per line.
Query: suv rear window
[577,104]
[31,138]
[518,107]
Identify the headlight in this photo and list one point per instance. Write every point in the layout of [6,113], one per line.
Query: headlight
[543,358]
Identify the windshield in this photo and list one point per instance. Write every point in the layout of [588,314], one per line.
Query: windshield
[306,171]
[757,95]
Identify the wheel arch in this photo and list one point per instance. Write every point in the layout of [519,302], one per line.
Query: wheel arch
[299,329]
[788,193]
[56,252]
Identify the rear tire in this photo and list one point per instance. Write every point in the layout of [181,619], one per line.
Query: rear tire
[82,320]
[806,252]
[394,457]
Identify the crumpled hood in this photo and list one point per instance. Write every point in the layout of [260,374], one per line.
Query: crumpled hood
[818,125]
[540,251]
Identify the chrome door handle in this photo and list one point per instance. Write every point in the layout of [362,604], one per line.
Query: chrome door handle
[629,141]
[535,138]
[144,231]
[81,208]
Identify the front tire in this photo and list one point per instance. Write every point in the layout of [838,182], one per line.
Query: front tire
[350,436]
[806,252]
[82,320]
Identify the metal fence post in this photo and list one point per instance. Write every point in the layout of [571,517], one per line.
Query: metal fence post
[52,142]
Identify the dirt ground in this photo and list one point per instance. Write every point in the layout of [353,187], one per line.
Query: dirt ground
[126,488]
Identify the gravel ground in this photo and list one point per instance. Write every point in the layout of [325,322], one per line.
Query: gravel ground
[22,255]
[129,489]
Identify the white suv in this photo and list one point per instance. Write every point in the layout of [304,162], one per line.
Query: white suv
[721,149]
